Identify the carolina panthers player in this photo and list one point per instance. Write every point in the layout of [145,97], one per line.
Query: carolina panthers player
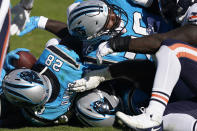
[43,91]
[115,18]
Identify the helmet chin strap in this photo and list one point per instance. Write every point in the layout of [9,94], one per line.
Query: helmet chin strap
[47,82]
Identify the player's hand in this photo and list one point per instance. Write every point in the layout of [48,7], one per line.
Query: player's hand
[84,84]
[103,50]
[12,55]
[21,16]
[31,25]
[90,81]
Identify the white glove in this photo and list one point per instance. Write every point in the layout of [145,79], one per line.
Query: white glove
[145,3]
[21,16]
[103,50]
[90,81]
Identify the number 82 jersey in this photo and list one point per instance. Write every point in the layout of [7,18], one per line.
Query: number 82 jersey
[64,67]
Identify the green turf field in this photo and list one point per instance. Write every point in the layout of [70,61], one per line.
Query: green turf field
[35,41]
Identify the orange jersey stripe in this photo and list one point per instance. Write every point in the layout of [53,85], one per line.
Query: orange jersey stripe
[193,17]
[177,45]
[184,54]
[163,98]
[187,55]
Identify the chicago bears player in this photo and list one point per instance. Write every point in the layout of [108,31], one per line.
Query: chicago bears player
[115,18]
[5,22]
[172,66]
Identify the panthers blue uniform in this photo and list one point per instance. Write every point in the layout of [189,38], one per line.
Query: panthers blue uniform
[63,68]
[140,23]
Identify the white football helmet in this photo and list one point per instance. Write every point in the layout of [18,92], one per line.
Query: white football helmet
[88,19]
[26,88]
[97,108]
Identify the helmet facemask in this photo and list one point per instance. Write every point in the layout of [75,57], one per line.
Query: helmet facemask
[120,23]
[89,20]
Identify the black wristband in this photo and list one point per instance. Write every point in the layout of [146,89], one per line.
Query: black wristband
[120,44]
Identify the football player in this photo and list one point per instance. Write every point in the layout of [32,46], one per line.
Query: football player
[115,18]
[5,29]
[172,65]
[112,21]
[5,22]
[42,91]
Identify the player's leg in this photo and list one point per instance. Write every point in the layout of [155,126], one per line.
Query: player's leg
[181,116]
[168,71]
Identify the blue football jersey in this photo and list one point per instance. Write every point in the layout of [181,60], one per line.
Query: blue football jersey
[64,67]
[140,23]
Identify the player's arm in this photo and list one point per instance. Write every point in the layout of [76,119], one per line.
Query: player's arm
[56,27]
[150,44]
[140,71]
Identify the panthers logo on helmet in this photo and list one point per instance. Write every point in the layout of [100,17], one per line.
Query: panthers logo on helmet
[97,108]
[26,88]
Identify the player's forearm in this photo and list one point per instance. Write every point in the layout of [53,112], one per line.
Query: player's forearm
[150,44]
[134,70]
[56,27]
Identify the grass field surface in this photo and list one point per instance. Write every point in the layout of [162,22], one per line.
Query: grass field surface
[35,41]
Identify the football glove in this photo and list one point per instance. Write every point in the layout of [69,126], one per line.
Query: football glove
[33,23]
[103,50]
[21,16]
[90,81]
[12,55]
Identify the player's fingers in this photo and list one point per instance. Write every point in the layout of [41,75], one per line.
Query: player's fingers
[13,29]
[14,56]
[10,67]
[98,58]
[22,49]
[79,89]
[79,83]
[25,31]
